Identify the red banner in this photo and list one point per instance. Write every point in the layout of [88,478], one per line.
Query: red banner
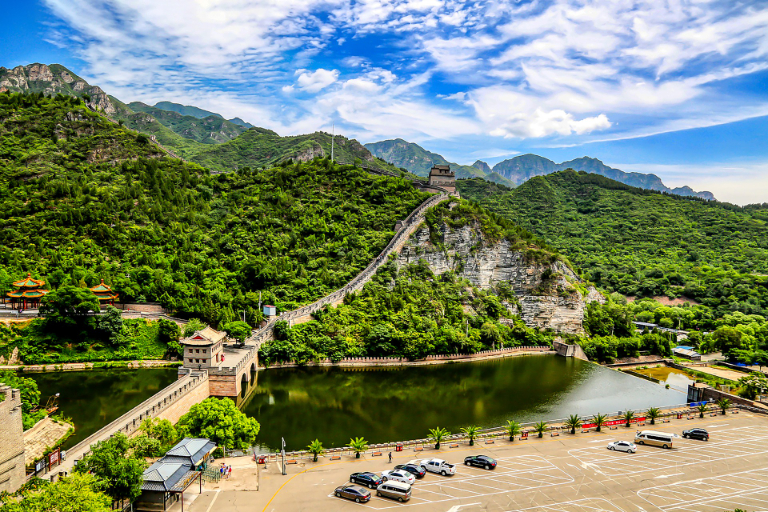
[53,458]
[613,422]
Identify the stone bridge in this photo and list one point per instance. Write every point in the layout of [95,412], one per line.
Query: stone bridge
[235,375]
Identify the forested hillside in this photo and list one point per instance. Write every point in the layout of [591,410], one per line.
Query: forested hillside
[84,199]
[638,242]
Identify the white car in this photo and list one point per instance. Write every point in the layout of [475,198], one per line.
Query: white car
[623,446]
[398,475]
[439,466]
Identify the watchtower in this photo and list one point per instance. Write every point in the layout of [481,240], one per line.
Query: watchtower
[204,349]
[442,176]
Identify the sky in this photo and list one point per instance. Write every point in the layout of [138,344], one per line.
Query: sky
[678,88]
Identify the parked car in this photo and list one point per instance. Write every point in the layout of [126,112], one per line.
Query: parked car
[395,490]
[653,438]
[696,433]
[353,492]
[439,466]
[416,470]
[480,461]
[370,480]
[398,475]
[623,446]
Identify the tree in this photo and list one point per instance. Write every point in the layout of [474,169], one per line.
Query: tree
[513,429]
[437,435]
[540,428]
[702,408]
[628,417]
[724,404]
[220,421]
[73,493]
[109,324]
[727,339]
[30,394]
[144,446]
[168,331]
[112,463]
[238,330]
[69,305]
[471,432]
[358,445]
[192,326]
[653,413]
[752,384]
[316,449]
[162,430]
[599,420]
[573,422]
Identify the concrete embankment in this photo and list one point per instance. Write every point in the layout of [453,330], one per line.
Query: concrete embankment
[77,367]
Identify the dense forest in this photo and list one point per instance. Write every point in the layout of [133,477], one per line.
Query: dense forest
[643,243]
[84,199]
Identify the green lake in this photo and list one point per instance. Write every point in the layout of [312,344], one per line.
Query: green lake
[381,404]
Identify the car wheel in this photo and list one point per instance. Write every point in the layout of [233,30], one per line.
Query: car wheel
[466,463]
[640,442]
[353,480]
[442,473]
[665,447]
[357,500]
[338,495]
[487,466]
[378,493]
[383,479]
[400,499]
[685,436]
[370,486]
[611,447]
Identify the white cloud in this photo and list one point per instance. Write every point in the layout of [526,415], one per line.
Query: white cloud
[317,80]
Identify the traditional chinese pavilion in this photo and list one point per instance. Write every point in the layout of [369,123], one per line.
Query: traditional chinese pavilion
[28,292]
[105,293]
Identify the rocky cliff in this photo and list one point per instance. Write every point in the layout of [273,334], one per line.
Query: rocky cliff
[550,294]
[51,80]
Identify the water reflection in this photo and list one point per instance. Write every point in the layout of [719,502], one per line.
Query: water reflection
[385,404]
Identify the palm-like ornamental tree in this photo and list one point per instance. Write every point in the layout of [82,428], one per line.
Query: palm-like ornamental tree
[653,413]
[471,432]
[573,422]
[540,428]
[724,404]
[628,417]
[599,420]
[437,435]
[513,429]
[316,449]
[702,408]
[358,445]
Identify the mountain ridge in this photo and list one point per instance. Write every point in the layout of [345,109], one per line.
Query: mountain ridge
[517,170]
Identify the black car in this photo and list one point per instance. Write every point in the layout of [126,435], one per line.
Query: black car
[353,492]
[414,469]
[370,480]
[481,461]
[696,433]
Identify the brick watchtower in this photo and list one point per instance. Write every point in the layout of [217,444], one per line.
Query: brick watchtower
[442,176]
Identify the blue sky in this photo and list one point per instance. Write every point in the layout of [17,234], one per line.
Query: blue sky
[674,87]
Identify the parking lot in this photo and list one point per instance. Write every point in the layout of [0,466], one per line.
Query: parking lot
[554,474]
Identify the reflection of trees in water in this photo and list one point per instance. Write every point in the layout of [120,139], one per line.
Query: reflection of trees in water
[333,404]
[93,399]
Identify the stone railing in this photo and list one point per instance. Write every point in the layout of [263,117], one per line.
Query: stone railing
[402,361]
[130,421]
[410,224]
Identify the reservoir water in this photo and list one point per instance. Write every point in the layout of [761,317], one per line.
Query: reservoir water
[381,404]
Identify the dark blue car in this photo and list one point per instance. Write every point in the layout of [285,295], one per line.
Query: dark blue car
[370,480]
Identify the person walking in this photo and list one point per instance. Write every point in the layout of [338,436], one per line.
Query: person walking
[229,472]
[390,457]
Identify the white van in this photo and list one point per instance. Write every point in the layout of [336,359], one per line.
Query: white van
[396,490]
[653,438]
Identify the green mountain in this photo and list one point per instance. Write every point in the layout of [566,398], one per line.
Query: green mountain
[524,167]
[419,161]
[212,129]
[517,170]
[187,110]
[84,198]
[259,147]
[640,242]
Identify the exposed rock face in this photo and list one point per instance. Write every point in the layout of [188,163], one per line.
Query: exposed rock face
[42,78]
[548,298]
